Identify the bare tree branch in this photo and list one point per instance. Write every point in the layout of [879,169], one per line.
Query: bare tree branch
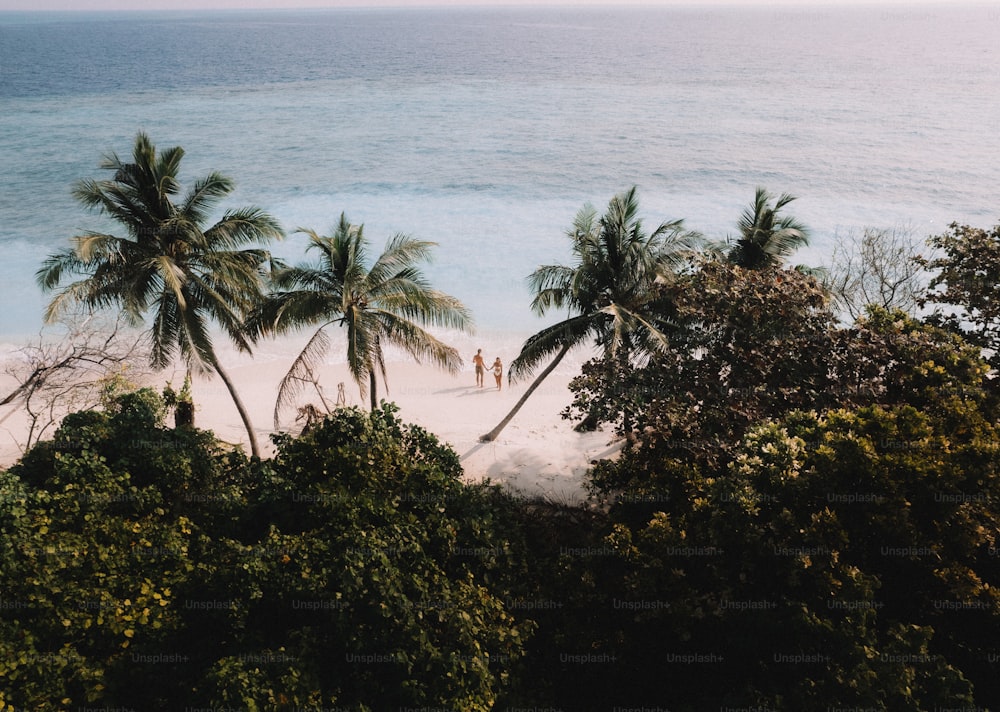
[65,370]
[878,267]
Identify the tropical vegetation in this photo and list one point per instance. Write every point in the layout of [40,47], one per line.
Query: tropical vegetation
[964,283]
[606,291]
[765,236]
[149,567]
[805,513]
[384,304]
[170,262]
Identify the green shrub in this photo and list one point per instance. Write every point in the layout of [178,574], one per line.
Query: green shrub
[152,568]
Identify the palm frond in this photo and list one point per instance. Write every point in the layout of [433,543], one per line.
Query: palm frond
[401,253]
[784,242]
[417,342]
[584,224]
[304,276]
[71,294]
[195,341]
[216,298]
[174,279]
[782,201]
[106,285]
[167,168]
[206,192]
[110,199]
[92,247]
[540,346]
[410,296]
[56,266]
[552,286]
[164,334]
[636,330]
[343,255]
[302,370]
[281,312]
[361,345]
[679,249]
[245,226]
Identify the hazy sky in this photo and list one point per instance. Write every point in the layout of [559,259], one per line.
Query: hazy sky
[83,5]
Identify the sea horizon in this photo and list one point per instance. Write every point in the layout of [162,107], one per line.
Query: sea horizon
[486,129]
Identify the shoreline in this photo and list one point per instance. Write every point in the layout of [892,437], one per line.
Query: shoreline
[537,455]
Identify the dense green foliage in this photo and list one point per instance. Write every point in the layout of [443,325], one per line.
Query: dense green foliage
[847,559]
[748,345]
[964,283]
[741,345]
[147,567]
[842,559]
[805,515]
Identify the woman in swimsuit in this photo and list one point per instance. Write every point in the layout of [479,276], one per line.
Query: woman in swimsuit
[498,372]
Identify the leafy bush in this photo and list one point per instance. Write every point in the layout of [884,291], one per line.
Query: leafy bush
[752,345]
[806,516]
[845,560]
[148,567]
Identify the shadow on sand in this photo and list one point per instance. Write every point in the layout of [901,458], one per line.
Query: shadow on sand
[465,391]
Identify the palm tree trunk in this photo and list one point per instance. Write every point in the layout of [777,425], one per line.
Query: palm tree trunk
[254,448]
[492,435]
[371,390]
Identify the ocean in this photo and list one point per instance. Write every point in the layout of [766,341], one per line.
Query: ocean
[485,130]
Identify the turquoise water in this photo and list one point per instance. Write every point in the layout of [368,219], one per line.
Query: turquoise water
[487,129]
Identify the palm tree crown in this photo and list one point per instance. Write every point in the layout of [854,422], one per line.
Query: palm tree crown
[383,304]
[168,262]
[607,290]
[766,239]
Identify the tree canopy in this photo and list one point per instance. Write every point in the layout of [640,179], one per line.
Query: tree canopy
[606,290]
[381,304]
[805,513]
[152,568]
[170,262]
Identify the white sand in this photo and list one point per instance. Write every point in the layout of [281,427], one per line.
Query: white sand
[538,454]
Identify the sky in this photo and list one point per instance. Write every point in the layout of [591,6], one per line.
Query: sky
[103,5]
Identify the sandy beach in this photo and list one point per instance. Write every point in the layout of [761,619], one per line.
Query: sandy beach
[537,454]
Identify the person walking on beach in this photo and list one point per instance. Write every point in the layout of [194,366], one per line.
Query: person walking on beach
[498,372]
[480,367]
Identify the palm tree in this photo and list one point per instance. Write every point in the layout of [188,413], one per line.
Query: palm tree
[168,263]
[608,291]
[766,239]
[383,304]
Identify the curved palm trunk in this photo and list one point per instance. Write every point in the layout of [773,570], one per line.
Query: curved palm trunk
[371,390]
[254,448]
[492,435]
